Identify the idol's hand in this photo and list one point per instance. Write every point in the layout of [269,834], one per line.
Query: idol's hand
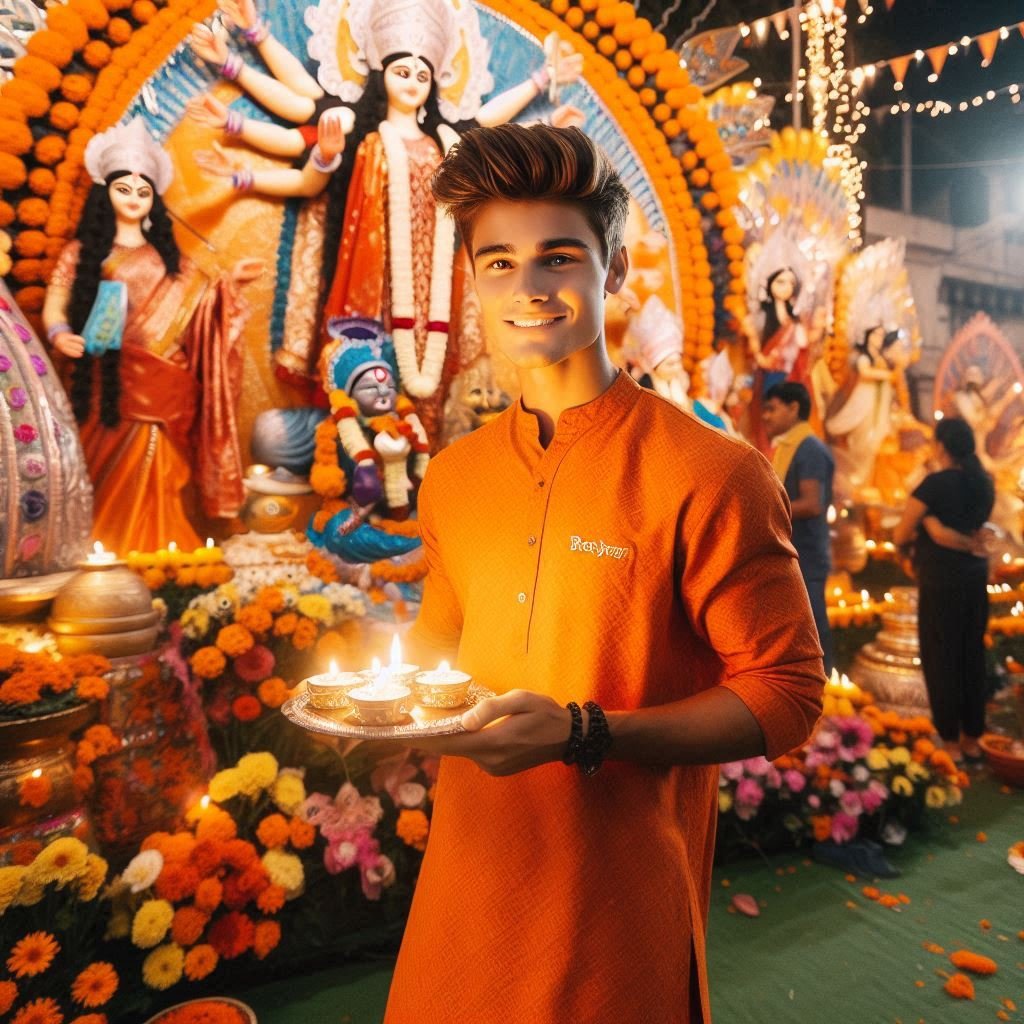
[217,161]
[207,110]
[246,271]
[241,13]
[70,345]
[208,45]
[331,130]
[569,65]
[566,116]
[508,734]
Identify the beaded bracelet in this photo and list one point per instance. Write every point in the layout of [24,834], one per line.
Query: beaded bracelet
[232,66]
[575,744]
[233,125]
[243,181]
[597,740]
[541,78]
[52,332]
[258,33]
[322,165]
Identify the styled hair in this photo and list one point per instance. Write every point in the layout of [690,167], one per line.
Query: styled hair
[956,436]
[96,230]
[790,391]
[889,339]
[771,316]
[520,162]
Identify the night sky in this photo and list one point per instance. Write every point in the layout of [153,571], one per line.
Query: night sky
[992,132]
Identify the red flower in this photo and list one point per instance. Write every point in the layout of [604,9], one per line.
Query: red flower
[231,935]
[246,708]
[255,665]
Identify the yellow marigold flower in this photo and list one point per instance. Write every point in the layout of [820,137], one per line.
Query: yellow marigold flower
[724,801]
[10,883]
[92,878]
[878,759]
[256,772]
[899,755]
[902,786]
[935,797]
[917,772]
[225,784]
[30,893]
[195,622]
[954,796]
[163,967]
[32,954]
[62,862]
[288,790]
[285,870]
[151,922]
[316,606]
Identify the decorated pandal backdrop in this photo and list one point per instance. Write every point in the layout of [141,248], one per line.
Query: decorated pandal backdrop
[276,371]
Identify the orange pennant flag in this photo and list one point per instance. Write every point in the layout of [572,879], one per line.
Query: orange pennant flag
[937,55]
[987,44]
[1020,25]
[899,67]
[888,4]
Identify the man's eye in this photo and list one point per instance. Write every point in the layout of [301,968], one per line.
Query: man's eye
[499,265]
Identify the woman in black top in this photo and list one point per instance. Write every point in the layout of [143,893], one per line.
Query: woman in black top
[942,519]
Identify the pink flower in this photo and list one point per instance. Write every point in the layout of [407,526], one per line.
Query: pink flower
[749,792]
[874,796]
[25,433]
[756,766]
[732,770]
[348,847]
[255,665]
[814,801]
[411,794]
[855,737]
[795,781]
[816,757]
[844,827]
[377,876]
[773,777]
[850,802]
[391,774]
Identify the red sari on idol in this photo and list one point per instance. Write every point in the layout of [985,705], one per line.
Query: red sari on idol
[180,370]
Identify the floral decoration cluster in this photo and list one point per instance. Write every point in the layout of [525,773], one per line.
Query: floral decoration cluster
[39,682]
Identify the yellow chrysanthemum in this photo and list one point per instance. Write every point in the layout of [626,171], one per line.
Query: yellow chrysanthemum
[954,796]
[878,759]
[285,870]
[92,878]
[151,923]
[935,797]
[162,968]
[62,862]
[10,883]
[724,801]
[30,893]
[288,791]
[902,786]
[917,772]
[899,755]
[256,772]
[225,784]
[316,606]
[195,623]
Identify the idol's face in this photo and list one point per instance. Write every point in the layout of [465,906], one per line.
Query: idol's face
[875,338]
[670,367]
[132,197]
[407,83]
[374,392]
[541,279]
[778,417]
[784,286]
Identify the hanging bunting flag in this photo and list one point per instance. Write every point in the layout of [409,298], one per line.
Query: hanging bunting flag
[987,44]
[781,22]
[899,66]
[888,4]
[937,55]
[864,4]
[1020,25]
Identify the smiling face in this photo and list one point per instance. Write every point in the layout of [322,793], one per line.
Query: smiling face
[541,279]
[407,83]
[132,198]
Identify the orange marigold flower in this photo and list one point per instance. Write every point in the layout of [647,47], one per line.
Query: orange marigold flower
[822,825]
[91,1018]
[255,617]
[234,640]
[75,88]
[270,598]
[266,938]
[888,900]
[271,900]
[92,688]
[273,692]
[959,986]
[305,633]
[981,837]
[21,688]
[302,833]
[39,1011]
[208,662]
[104,739]
[232,934]
[96,54]
[95,985]
[177,882]
[83,779]
[985,924]
[34,791]
[412,828]
[32,954]
[871,892]
[273,831]
[209,893]
[284,625]
[188,925]
[216,823]
[199,962]
[8,993]
[973,962]
[246,708]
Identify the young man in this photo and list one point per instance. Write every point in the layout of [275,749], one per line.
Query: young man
[805,466]
[592,543]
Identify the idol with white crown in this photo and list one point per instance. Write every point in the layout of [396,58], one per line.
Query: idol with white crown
[397,81]
[154,348]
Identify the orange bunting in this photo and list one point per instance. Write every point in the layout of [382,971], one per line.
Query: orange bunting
[987,43]
[937,55]
[898,66]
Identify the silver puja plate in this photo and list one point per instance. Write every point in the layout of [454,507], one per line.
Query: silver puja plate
[345,722]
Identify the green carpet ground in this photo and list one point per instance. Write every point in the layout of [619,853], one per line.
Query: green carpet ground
[820,953]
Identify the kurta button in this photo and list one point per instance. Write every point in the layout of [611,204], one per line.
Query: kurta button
[522,598]
[532,541]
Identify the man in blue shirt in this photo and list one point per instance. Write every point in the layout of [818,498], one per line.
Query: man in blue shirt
[805,466]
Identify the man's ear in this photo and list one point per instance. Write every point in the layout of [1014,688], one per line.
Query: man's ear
[618,268]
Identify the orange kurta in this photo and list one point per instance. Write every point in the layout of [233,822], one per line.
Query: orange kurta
[642,557]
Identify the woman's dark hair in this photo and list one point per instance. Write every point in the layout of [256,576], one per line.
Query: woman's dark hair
[956,436]
[771,317]
[96,231]
[888,340]
[370,109]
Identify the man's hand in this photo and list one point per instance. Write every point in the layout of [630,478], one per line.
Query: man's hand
[508,734]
